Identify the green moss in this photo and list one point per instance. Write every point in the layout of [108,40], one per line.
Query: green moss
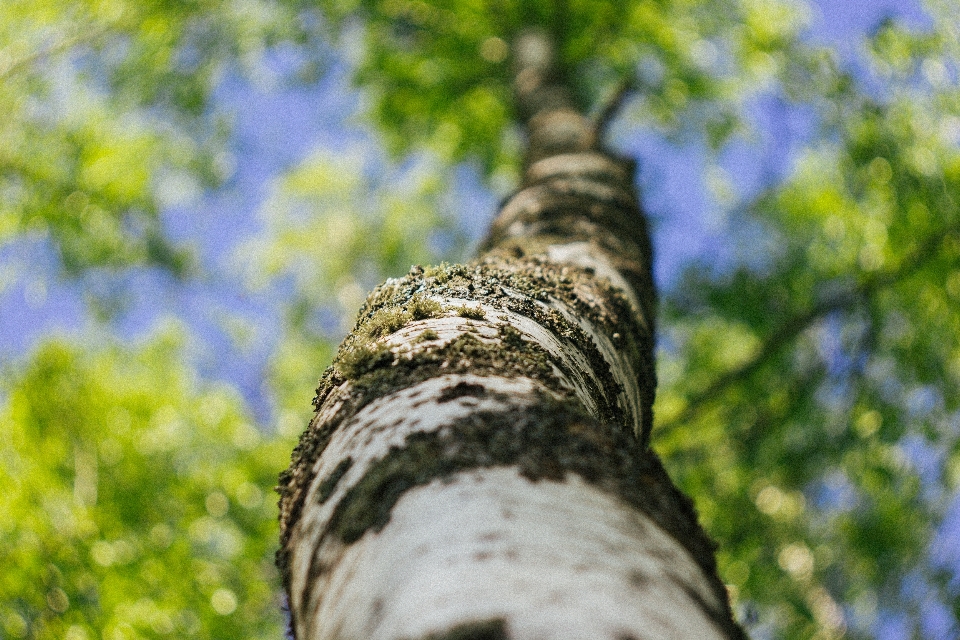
[382,318]
[465,354]
[510,336]
[422,307]
[384,322]
[427,335]
[474,313]
[360,359]
[439,273]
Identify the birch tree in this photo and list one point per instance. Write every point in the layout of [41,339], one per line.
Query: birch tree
[479,464]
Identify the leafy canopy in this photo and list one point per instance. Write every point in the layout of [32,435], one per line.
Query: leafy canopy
[107,118]
[136,499]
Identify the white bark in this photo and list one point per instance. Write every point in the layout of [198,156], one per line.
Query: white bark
[553,560]
[370,434]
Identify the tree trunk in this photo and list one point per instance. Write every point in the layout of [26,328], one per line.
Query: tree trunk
[478,466]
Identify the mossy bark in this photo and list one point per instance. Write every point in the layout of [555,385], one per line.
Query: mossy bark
[474,403]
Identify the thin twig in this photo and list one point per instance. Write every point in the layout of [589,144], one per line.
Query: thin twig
[58,47]
[780,338]
[612,106]
[795,325]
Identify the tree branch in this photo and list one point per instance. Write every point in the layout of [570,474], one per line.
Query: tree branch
[21,63]
[612,105]
[795,325]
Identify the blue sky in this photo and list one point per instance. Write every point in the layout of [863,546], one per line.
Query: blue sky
[275,127]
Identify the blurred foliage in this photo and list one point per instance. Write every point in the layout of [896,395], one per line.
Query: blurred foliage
[107,118]
[137,501]
[333,228]
[438,73]
[808,396]
[811,405]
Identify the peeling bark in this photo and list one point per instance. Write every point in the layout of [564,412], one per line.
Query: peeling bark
[478,465]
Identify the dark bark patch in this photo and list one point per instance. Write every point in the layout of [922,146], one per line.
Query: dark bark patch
[495,629]
[329,485]
[460,390]
[376,613]
[638,579]
[545,442]
[722,619]
[540,448]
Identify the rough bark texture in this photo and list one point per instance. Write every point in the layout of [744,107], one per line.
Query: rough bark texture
[478,466]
